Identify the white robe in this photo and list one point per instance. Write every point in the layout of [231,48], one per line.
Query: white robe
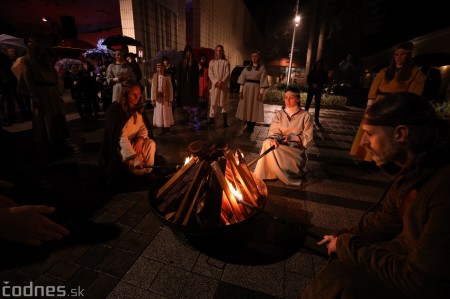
[162,113]
[286,162]
[113,73]
[133,129]
[249,108]
[219,70]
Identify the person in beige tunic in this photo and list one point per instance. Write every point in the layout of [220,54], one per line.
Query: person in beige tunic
[254,82]
[290,132]
[162,99]
[219,73]
[399,248]
[401,75]
[39,81]
[117,73]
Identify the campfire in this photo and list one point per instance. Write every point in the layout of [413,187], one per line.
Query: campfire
[213,188]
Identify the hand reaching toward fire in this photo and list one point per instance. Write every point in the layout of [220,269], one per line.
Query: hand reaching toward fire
[330,242]
[29,225]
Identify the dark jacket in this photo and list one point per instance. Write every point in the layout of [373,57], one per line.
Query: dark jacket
[318,77]
[406,243]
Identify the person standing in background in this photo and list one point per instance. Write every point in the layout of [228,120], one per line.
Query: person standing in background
[162,99]
[253,82]
[204,84]
[90,90]
[219,74]
[8,91]
[72,81]
[131,59]
[172,71]
[316,79]
[39,80]
[400,76]
[188,85]
[117,73]
[104,87]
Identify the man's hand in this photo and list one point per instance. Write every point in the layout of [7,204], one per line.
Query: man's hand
[29,225]
[330,242]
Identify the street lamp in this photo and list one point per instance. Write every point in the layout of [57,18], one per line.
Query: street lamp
[296,23]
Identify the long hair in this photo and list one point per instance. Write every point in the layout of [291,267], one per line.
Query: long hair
[124,102]
[203,65]
[406,70]
[221,55]
[187,61]
[427,132]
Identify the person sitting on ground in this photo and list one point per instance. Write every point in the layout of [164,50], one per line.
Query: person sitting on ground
[290,132]
[399,248]
[128,139]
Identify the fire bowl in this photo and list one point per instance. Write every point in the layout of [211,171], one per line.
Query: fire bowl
[196,229]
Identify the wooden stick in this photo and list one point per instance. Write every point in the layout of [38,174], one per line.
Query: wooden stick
[262,155]
[221,179]
[247,184]
[240,182]
[194,201]
[232,176]
[187,195]
[247,173]
[165,188]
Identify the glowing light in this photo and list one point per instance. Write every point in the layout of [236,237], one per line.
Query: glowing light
[236,194]
[186,161]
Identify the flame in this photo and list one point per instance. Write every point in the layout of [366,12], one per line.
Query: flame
[237,195]
[186,161]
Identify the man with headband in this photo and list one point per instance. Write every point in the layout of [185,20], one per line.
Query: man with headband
[399,248]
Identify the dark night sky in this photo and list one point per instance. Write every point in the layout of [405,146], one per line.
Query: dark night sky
[403,19]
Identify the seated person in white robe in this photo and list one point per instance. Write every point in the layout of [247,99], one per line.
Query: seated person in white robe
[127,142]
[290,132]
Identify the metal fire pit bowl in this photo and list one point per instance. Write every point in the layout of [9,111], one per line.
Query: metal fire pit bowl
[198,230]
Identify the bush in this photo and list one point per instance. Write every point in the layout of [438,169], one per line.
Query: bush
[275,96]
[442,109]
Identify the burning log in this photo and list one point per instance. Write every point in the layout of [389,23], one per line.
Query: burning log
[187,196]
[210,214]
[168,194]
[244,176]
[165,188]
[214,188]
[235,210]
[199,195]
